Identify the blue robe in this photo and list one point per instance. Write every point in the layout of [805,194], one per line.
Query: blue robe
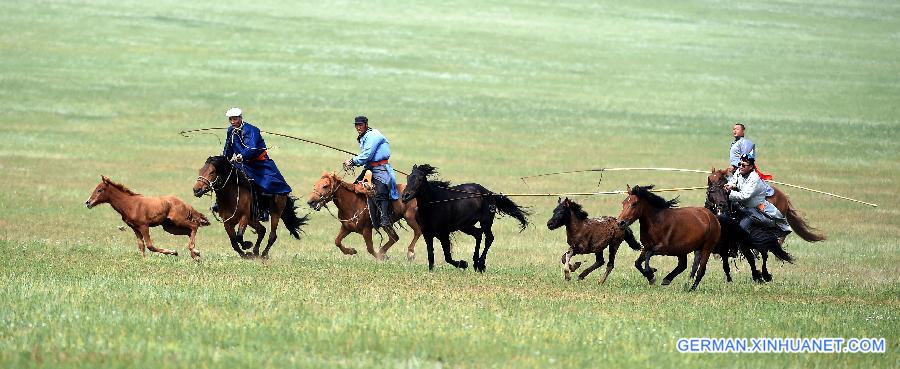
[374,147]
[249,143]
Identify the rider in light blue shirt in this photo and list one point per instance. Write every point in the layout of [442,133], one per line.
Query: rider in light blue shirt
[374,154]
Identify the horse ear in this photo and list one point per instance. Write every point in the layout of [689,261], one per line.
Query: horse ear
[559,200]
[104,178]
[628,189]
[325,173]
[712,170]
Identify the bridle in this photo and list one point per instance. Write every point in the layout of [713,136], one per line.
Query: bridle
[211,184]
[325,199]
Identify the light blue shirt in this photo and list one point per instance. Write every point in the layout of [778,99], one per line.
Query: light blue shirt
[740,147]
[373,147]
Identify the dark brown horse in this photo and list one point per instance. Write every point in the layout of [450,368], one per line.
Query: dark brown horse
[589,236]
[141,213]
[233,197]
[667,230]
[784,205]
[354,215]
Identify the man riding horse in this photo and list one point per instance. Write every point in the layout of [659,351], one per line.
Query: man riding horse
[748,191]
[374,154]
[244,146]
[743,146]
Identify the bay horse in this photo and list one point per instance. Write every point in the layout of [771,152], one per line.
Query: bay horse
[354,215]
[142,213]
[233,197]
[734,238]
[589,236]
[444,210]
[671,231]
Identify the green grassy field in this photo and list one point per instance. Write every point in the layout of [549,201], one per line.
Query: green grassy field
[485,92]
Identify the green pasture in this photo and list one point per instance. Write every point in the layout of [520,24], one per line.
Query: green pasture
[487,92]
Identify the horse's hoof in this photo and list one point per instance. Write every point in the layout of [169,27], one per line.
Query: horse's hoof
[767,277]
[463,264]
[410,256]
[652,280]
[666,282]
[174,253]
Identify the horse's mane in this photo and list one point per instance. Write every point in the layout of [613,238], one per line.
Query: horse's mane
[428,170]
[579,212]
[220,163]
[643,192]
[339,181]
[120,186]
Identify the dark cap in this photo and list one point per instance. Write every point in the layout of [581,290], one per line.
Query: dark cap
[361,120]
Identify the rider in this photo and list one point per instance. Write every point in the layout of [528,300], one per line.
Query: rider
[743,146]
[374,154]
[746,188]
[244,146]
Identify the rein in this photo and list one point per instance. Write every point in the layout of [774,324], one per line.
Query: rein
[212,186]
[325,200]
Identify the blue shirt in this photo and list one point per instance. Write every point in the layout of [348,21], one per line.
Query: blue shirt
[374,147]
[740,147]
[256,163]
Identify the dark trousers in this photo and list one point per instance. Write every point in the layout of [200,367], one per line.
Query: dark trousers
[380,205]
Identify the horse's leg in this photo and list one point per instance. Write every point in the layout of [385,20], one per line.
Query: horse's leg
[343,232]
[194,253]
[241,229]
[612,262]
[260,233]
[598,262]
[140,241]
[695,264]
[370,246]
[274,217]
[393,237]
[704,257]
[637,265]
[145,231]
[566,263]
[475,232]
[448,256]
[765,271]
[234,239]
[726,268]
[488,241]
[751,259]
[429,247]
[647,267]
[682,265]
[417,232]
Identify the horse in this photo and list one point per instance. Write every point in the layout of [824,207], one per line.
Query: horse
[784,205]
[234,197]
[142,213]
[671,231]
[589,236]
[444,210]
[354,215]
[734,238]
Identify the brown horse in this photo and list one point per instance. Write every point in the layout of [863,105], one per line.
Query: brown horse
[666,230]
[353,213]
[233,197]
[781,201]
[141,213]
[589,236]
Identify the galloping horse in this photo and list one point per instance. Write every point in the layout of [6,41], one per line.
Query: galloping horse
[666,230]
[354,215]
[784,205]
[589,236]
[234,198]
[759,239]
[444,210]
[141,213]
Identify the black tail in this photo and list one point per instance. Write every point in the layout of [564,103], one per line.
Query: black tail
[779,252]
[291,221]
[764,239]
[630,240]
[508,207]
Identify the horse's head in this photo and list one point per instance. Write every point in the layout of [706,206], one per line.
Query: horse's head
[716,196]
[639,202]
[562,215]
[100,195]
[323,191]
[416,180]
[208,178]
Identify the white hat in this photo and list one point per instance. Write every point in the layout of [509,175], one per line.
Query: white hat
[233,112]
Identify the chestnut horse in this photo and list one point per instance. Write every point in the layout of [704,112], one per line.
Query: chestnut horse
[141,213]
[589,236]
[782,202]
[354,215]
[233,197]
[671,231]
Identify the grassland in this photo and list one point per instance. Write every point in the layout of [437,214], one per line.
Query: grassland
[485,92]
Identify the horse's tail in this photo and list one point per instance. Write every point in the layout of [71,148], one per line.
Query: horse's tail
[766,239]
[292,221]
[630,240]
[799,224]
[508,207]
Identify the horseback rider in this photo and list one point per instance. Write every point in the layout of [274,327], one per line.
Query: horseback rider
[743,146]
[374,154]
[244,146]
[746,189]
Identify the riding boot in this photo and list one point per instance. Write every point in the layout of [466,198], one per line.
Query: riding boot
[374,213]
[264,201]
[384,208]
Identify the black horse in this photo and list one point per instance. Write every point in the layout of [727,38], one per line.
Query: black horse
[734,238]
[444,209]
